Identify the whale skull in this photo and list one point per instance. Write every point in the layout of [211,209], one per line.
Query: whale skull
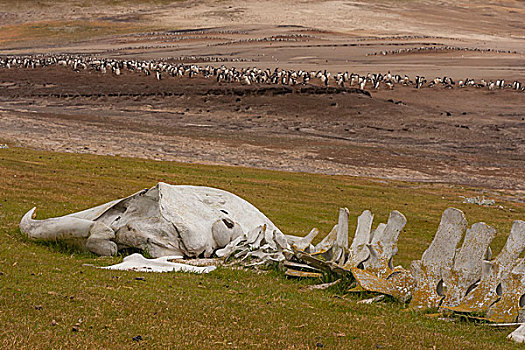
[164,220]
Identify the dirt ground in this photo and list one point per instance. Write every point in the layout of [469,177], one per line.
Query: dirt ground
[463,136]
[198,120]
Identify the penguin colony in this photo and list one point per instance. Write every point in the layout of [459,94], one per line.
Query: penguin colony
[276,38]
[273,38]
[248,76]
[189,58]
[405,37]
[209,59]
[170,37]
[186,31]
[437,48]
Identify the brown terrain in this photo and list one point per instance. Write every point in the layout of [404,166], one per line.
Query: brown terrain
[470,136]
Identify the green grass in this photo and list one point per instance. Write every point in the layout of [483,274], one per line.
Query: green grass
[47,32]
[55,30]
[228,308]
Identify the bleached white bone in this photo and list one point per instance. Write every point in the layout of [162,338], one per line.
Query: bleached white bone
[383,245]
[518,335]
[163,220]
[327,242]
[359,251]
[95,236]
[303,243]
[340,248]
[136,262]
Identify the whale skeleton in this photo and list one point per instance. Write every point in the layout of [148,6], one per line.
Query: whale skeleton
[194,222]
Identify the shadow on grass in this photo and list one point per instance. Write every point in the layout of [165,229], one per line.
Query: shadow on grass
[59,246]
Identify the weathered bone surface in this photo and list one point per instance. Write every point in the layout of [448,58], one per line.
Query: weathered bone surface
[326,244]
[383,245]
[340,248]
[510,306]
[460,280]
[164,220]
[439,257]
[261,243]
[303,243]
[518,335]
[136,262]
[359,251]
[495,273]
[467,263]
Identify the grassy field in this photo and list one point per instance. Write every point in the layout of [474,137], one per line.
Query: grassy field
[52,32]
[46,291]
[49,23]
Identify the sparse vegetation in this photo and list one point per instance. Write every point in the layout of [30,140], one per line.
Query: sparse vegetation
[26,34]
[49,299]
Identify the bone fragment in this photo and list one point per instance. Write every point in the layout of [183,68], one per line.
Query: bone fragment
[495,272]
[372,300]
[303,243]
[136,262]
[512,301]
[359,251]
[327,242]
[323,265]
[299,266]
[383,246]
[438,257]
[518,335]
[269,239]
[230,248]
[369,281]
[341,244]
[302,274]
[324,286]
[467,263]
[280,240]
